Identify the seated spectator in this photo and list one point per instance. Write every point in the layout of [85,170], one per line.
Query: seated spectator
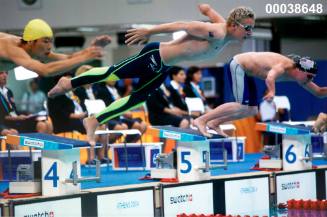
[109,93]
[162,112]
[177,96]
[267,113]
[10,117]
[67,116]
[87,92]
[192,85]
[33,100]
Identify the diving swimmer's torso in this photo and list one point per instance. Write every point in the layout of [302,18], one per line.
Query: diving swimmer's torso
[258,64]
[189,48]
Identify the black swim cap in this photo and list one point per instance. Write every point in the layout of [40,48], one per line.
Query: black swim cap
[305,64]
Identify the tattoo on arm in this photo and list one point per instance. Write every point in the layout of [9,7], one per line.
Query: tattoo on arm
[211,34]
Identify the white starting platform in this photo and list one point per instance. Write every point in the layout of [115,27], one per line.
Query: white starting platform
[60,164]
[296,149]
[191,159]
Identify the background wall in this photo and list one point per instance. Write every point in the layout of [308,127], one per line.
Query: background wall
[63,13]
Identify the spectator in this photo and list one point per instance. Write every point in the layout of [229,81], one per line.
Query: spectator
[87,92]
[162,112]
[33,100]
[67,116]
[10,117]
[175,87]
[109,93]
[192,85]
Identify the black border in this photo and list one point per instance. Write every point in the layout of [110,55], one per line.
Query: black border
[320,184]
[2,209]
[219,192]
[13,203]
[162,186]
[96,194]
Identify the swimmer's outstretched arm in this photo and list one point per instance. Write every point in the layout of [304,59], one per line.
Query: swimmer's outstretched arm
[315,90]
[212,14]
[21,58]
[100,41]
[195,28]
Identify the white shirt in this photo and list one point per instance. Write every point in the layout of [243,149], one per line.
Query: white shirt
[4,92]
[89,93]
[267,110]
[175,84]
[113,92]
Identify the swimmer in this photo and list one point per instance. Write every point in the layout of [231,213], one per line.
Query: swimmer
[202,40]
[33,51]
[268,66]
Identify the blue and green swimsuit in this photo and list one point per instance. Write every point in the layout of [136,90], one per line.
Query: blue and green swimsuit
[147,66]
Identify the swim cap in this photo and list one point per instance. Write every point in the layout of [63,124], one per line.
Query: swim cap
[305,64]
[36,29]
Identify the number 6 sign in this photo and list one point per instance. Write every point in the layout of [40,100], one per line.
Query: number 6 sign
[296,151]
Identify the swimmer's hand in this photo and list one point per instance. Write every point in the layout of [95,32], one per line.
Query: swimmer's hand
[101,41]
[93,52]
[204,8]
[269,96]
[137,36]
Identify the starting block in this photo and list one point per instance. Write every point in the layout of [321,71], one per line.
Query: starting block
[296,147]
[60,165]
[191,161]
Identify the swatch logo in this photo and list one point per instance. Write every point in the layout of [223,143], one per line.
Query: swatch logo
[181,199]
[248,190]
[171,135]
[42,214]
[33,143]
[290,185]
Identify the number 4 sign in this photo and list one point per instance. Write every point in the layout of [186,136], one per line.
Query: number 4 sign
[56,168]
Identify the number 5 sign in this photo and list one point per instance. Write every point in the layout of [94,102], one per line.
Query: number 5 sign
[191,157]
[296,151]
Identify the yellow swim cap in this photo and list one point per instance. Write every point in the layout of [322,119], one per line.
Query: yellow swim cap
[36,29]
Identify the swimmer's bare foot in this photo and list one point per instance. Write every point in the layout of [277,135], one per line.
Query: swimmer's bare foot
[217,129]
[64,85]
[90,125]
[201,125]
